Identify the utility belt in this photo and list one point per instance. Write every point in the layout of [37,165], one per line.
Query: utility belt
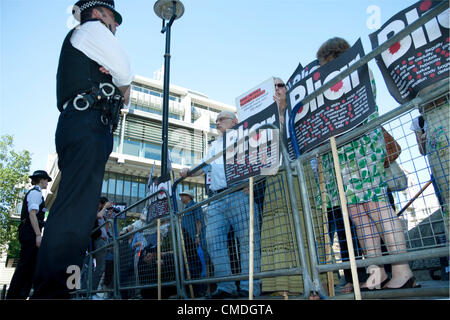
[104,98]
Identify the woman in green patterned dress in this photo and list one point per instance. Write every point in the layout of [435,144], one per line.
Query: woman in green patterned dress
[363,174]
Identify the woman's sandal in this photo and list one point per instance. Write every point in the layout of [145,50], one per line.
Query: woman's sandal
[381,286]
[410,284]
[347,288]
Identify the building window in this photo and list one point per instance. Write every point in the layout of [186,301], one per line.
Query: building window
[152,151]
[120,188]
[131,147]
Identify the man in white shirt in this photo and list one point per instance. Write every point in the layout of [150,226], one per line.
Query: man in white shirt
[93,82]
[231,210]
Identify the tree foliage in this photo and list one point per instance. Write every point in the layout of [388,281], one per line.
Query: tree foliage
[14,169]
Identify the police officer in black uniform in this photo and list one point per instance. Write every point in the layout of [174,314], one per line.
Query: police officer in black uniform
[93,83]
[32,220]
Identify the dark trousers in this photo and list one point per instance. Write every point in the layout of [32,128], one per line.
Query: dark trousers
[22,279]
[83,144]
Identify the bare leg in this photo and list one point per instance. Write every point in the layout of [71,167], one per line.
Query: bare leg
[391,228]
[369,238]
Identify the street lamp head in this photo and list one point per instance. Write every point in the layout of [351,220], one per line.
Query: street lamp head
[165,9]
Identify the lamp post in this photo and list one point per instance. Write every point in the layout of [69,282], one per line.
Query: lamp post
[167,10]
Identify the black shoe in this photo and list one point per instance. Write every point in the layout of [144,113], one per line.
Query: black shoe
[220,294]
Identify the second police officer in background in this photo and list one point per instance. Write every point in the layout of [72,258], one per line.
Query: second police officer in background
[30,228]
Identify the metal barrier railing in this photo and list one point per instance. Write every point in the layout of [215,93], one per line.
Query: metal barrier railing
[303,160]
[297,268]
[427,249]
[307,229]
[118,286]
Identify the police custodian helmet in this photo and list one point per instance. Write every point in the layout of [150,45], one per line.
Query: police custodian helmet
[82,5]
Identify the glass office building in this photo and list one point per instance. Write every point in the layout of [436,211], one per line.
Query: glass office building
[138,141]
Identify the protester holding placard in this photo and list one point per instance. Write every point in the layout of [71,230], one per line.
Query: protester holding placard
[277,250]
[278,246]
[363,173]
[231,210]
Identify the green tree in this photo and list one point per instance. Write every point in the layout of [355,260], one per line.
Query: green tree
[14,168]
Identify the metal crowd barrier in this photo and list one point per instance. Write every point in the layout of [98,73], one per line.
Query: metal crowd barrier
[134,270]
[317,216]
[294,235]
[425,243]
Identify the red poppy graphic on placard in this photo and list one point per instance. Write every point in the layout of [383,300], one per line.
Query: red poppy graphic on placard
[425,6]
[256,136]
[300,110]
[419,54]
[394,48]
[404,62]
[438,63]
[316,76]
[398,71]
[419,76]
[432,75]
[415,69]
[419,63]
[409,77]
[338,86]
[437,50]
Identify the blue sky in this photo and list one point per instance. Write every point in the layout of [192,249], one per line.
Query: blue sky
[219,48]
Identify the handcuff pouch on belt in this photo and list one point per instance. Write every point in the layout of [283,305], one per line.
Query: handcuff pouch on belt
[111,106]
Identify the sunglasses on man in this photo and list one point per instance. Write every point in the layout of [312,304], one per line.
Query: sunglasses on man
[279,85]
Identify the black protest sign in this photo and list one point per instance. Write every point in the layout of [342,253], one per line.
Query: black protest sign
[299,74]
[258,154]
[418,60]
[158,205]
[340,108]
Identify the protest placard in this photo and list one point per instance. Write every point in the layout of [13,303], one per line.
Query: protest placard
[339,109]
[158,205]
[258,153]
[418,60]
[255,100]
[299,74]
